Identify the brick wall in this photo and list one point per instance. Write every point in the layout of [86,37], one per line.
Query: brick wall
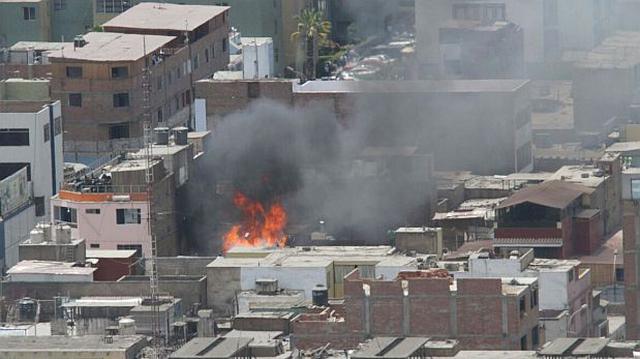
[478,313]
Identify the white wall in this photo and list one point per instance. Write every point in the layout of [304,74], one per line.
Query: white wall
[265,61]
[483,267]
[553,290]
[38,153]
[293,278]
[16,230]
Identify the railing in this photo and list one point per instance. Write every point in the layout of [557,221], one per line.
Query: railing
[106,188]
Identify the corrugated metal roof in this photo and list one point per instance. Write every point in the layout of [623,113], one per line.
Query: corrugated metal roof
[554,194]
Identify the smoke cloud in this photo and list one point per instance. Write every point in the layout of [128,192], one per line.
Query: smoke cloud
[320,167]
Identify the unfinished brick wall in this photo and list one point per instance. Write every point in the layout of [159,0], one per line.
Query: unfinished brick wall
[478,313]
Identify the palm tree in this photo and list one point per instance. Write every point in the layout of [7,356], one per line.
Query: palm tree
[313,31]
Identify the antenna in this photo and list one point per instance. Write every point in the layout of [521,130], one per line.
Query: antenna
[148,153]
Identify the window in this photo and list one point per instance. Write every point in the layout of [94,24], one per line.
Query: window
[635,189]
[523,305]
[276,54]
[121,99]
[75,99]
[119,72]
[113,6]
[59,4]
[534,298]
[253,90]
[14,137]
[119,131]
[65,214]
[128,216]
[74,72]
[39,202]
[206,55]
[46,129]
[94,245]
[136,247]
[570,275]
[57,126]
[224,45]
[9,168]
[196,61]
[92,211]
[160,115]
[29,13]
[213,49]
[620,274]
[535,337]
[178,72]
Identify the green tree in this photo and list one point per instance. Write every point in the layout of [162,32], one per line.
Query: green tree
[313,32]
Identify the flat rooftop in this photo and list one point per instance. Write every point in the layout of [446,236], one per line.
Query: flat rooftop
[622,147]
[621,50]
[218,347]
[110,253]
[429,86]
[111,46]
[585,175]
[164,16]
[49,268]
[102,302]
[61,343]
[390,347]
[552,106]
[40,45]
[162,150]
[322,256]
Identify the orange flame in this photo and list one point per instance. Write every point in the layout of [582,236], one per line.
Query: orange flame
[260,228]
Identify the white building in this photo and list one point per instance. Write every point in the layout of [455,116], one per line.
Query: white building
[257,57]
[17,216]
[566,300]
[31,136]
[48,271]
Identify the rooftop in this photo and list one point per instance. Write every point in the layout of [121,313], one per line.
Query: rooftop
[430,86]
[101,302]
[586,175]
[111,46]
[390,347]
[624,147]
[40,45]
[219,347]
[555,194]
[568,151]
[607,251]
[164,16]
[552,105]
[417,229]
[322,256]
[621,50]
[63,343]
[110,253]
[49,268]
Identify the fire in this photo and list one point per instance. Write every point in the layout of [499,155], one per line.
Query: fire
[260,228]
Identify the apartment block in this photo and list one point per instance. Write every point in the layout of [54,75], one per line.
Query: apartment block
[481,313]
[100,80]
[31,136]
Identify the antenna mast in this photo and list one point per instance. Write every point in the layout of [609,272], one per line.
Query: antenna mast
[148,152]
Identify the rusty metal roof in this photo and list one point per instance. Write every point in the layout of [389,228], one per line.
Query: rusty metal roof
[554,194]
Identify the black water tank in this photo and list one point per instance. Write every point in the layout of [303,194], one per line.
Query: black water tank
[320,295]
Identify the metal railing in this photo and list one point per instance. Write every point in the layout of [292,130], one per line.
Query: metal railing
[105,188]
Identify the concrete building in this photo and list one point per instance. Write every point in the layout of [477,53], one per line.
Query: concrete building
[119,347]
[605,178]
[43,20]
[113,63]
[482,314]
[257,57]
[300,268]
[113,264]
[422,240]
[604,84]
[49,271]
[17,215]
[549,26]
[31,136]
[552,217]
[52,243]
[491,117]
[565,296]
[476,50]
